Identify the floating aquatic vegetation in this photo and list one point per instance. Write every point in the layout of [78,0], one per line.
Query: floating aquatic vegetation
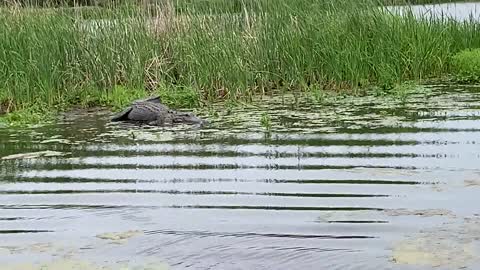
[74,264]
[452,246]
[32,155]
[421,213]
[119,237]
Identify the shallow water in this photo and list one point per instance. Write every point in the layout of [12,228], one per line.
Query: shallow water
[461,11]
[350,183]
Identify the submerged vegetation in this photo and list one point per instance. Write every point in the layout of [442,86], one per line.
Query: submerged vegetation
[192,52]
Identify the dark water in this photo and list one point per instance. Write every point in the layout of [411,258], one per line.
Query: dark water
[337,185]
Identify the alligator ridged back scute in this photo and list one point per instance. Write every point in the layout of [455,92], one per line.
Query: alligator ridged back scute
[145,111]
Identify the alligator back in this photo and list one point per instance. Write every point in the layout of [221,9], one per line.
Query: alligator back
[146,111]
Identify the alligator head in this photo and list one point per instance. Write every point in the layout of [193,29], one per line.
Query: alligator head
[188,118]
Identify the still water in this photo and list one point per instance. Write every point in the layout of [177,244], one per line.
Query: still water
[345,183]
[461,11]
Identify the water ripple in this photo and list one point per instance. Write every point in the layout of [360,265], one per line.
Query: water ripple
[326,186]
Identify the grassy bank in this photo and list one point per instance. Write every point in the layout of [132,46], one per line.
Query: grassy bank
[198,53]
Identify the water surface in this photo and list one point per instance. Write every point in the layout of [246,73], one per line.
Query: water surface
[347,183]
[461,11]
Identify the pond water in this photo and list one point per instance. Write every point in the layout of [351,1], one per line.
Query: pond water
[461,11]
[347,183]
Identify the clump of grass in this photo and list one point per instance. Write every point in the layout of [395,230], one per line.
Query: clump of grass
[466,65]
[266,121]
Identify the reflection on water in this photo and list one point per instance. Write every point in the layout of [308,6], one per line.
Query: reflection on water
[336,185]
[461,11]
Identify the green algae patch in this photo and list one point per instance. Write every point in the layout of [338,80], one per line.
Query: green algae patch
[32,155]
[72,264]
[452,246]
[56,141]
[420,213]
[119,237]
[428,252]
[56,265]
[50,256]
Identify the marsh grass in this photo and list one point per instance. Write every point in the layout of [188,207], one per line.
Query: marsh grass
[195,52]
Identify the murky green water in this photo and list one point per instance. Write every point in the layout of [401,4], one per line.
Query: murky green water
[351,183]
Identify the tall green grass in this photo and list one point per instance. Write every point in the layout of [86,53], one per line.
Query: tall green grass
[217,49]
[53,58]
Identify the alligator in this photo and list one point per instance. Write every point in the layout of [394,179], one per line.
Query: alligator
[152,112]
